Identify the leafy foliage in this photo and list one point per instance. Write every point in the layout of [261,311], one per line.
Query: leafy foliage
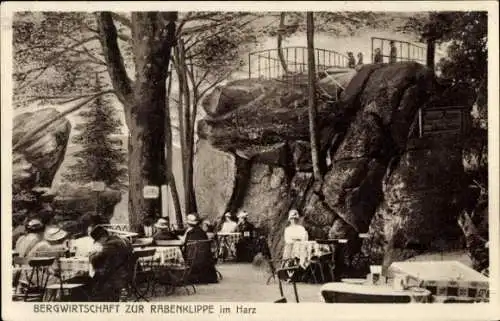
[101,158]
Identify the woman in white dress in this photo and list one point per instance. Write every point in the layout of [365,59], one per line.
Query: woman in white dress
[295,231]
[229,226]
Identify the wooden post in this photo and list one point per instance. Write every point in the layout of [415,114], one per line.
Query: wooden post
[312,96]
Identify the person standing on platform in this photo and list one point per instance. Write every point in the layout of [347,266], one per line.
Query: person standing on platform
[360,61]
[378,58]
[351,62]
[394,53]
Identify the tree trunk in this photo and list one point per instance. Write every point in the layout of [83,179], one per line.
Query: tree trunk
[281,31]
[312,97]
[153,35]
[431,49]
[188,152]
[168,164]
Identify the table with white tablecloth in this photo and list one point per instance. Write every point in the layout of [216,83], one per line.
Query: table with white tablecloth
[304,251]
[342,292]
[165,256]
[229,241]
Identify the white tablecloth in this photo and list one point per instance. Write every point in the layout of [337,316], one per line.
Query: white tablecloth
[304,251]
[416,295]
[166,255]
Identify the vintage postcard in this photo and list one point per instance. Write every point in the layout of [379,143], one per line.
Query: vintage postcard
[258,160]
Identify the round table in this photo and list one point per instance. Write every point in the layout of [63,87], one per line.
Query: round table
[340,292]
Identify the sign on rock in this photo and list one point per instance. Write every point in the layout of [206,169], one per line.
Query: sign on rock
[445,120]
[151,191]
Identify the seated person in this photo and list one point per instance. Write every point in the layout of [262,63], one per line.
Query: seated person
[207,226]
[295,232]
[57,238]
[83,245]
[245,249]
[203,265]
[229,226]
[112,261]
[163,231]
[32,242]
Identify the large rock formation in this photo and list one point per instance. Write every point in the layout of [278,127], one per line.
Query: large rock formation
[373,160]
[38,157]
[74,201]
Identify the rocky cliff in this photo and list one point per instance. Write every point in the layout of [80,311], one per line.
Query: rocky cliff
[379,174]
[37,160]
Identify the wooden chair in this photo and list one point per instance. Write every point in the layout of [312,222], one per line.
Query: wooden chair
[143,273]
[62,289]
[286,274]
[33,287]
[179,275]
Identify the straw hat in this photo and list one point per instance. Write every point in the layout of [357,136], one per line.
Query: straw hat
[293,214]
[192,219]
[242,214]
[55,234]
[162,223]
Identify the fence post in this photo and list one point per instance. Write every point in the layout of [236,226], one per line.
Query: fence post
[249,66]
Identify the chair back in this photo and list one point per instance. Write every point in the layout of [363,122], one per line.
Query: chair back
[287,274]
[38,277]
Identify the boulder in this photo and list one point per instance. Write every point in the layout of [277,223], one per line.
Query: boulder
[386,100]
[267,201]
[73,201]
[36,158]
[381,176]
[214,178]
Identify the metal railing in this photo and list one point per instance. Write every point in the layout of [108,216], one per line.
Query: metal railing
[267,63]
[405,51]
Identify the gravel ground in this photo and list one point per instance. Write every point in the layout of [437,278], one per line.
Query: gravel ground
[244,283]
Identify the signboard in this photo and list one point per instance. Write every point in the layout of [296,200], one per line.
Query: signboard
[151,192]
[98,186]
[447,120]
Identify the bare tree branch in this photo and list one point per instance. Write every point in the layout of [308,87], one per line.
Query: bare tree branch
[54,58]
[24,140]
[116,67]
[64,99]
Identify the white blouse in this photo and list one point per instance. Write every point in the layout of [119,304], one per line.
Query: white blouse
[295,233]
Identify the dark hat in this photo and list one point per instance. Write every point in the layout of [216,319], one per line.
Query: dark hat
[34,225]
[98,232]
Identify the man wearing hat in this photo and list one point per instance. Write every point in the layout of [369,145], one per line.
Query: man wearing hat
[112,262]
[57,238]
[32,242]
[245,247]
[295,232]
[163,230]
[203,265]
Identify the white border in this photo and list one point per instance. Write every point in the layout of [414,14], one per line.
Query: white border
[265,311]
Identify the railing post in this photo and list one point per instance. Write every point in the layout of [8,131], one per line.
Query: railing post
[249,66]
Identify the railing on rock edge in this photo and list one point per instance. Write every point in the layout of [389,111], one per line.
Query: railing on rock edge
[266,64]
